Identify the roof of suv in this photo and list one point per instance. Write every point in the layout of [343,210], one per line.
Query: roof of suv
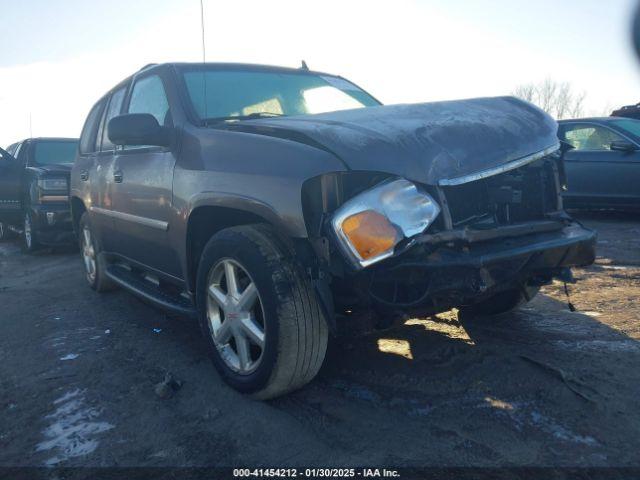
[46,139]
[250,67]
[232,66]
[54,139]
[594,119]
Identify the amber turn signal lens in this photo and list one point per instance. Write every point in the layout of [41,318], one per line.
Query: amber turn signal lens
[370,233]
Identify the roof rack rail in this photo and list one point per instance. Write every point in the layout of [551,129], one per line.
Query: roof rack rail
[147,66]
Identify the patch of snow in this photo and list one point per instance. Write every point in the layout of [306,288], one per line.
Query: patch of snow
[549,425]
[603,345]
[72,429]
[68,396]
[71,356]
[523,414]
[359,392]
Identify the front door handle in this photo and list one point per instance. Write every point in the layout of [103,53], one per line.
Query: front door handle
[117,176]
[84,175]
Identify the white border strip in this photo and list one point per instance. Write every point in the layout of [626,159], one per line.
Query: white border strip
[500,169]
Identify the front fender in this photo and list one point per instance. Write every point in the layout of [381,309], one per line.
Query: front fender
[250,205]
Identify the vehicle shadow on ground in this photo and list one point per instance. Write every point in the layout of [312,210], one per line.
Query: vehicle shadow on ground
[424,345]
[541,381]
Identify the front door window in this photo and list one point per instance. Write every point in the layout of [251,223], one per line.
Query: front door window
[591,137]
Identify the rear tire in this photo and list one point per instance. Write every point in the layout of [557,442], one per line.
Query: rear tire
[287,337]
[501,302]
[94,264]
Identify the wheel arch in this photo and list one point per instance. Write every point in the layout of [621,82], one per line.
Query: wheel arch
[77,209]
[208,218]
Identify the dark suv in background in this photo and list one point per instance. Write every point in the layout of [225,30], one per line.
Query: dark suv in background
[34,191]
[279,205]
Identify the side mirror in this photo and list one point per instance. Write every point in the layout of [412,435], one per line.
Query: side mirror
[565,146]
[623,146]
[137,129]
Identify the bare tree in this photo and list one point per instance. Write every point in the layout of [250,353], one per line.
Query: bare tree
[526,92]
[547,95]
[564,100]
[556,98]
[578,105]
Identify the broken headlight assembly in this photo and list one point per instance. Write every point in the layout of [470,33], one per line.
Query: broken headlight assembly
[370,225]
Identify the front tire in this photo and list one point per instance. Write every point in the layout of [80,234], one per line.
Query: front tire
[259,313]
[94,264]
[30,241]
[502,302]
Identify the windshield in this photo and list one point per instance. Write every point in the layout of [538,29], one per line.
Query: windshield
[629,125]
[55,152]
[225,94]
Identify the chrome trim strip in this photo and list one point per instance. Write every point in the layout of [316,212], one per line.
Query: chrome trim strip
[499,169]
[147,222]
[54,198]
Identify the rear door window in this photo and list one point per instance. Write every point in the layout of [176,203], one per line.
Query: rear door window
[115,106]
[88,135]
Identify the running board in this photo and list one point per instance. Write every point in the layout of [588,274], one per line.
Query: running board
[148,292]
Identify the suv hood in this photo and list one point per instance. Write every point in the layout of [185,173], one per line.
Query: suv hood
[427,142]
[61,170]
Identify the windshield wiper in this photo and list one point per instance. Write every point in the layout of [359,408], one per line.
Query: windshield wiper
[250,116]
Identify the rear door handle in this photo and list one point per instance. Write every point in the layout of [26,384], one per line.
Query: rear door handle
[84,175]
[117,176]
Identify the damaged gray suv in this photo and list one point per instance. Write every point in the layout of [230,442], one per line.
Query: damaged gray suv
[280,206]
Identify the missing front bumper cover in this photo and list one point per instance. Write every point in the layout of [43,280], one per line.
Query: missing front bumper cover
[450,274]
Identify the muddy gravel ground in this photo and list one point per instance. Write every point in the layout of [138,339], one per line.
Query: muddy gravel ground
[544,386]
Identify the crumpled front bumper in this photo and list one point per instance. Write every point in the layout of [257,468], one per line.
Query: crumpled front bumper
[461,272]
[53,223]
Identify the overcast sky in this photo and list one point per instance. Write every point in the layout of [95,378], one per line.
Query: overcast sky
[58,57]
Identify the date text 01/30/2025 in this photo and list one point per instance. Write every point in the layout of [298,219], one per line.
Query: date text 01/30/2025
[316,472]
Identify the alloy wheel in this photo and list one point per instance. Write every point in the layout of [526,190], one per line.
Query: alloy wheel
[235,316]
[88,254]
